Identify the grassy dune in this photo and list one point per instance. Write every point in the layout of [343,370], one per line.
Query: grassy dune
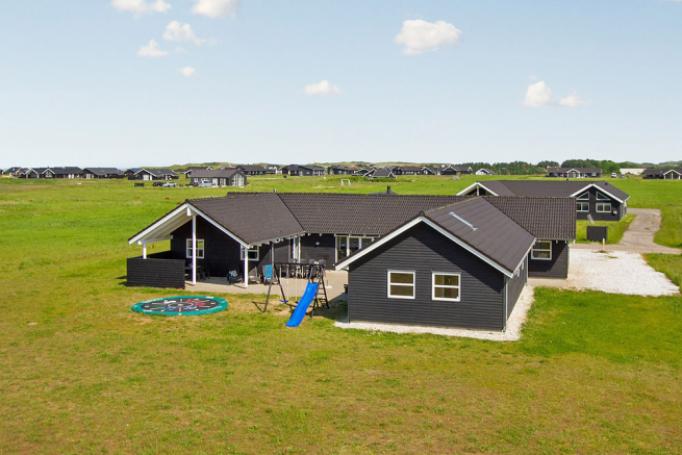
[81,373]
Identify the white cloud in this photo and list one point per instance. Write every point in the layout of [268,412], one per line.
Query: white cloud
[418,36]
[151,50]
[141,6]
[181,33]
[572,100]
[538,94]
[187,71]
[215,8]
[321,88]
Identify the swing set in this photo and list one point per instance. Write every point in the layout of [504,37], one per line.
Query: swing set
[315,291]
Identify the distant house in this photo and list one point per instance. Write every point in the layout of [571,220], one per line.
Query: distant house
[273,169]
[33,172]
[597,200]
[631,170]
[340,170]
[484,171]
[407,170]
[665,174]
[456,170]
[382,173]
[574,172]
[102,173]
[154,174]
[429,171]
[12,171]
[218,177]
[252,169]
[361,171]
[68,172]
[300,170]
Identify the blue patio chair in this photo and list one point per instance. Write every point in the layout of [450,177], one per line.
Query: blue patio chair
[267,273]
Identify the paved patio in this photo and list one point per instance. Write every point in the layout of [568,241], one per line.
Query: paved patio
[334,281]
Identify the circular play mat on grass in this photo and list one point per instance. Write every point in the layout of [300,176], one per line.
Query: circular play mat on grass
[181,305]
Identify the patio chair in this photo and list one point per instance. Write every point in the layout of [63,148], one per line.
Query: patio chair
[267,273]
[233,276]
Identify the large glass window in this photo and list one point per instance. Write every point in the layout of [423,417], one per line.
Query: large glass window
[400,284]
[445,286]
[603,207]
[349,244]
[542,251]
[252,252]
[583,206]
[602,197]
[584,197]
[200,248]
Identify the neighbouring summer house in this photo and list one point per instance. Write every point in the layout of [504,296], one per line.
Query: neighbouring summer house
[218,177]
[596,200]
[426,260]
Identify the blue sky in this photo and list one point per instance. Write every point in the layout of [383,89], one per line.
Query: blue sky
[474,80]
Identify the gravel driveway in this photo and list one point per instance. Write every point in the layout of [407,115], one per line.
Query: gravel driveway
[616,272]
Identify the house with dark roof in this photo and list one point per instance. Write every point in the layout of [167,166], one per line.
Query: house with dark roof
[456,170]
[252,169]
[665,173]
[428,260]
[597,200]
[218,177]
[154,174]
[12,171]
[574,172]
[381,173]
[102,173]
[484,171]
[303,171]
[67,172]
[340,170]
[408,170]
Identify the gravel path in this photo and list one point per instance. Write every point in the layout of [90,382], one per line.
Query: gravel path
[639,237]
[616,272]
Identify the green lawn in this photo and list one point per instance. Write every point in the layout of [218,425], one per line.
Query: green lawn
[81,373]
[669,264]
[616,229]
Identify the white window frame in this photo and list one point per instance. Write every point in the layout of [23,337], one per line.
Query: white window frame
[200,249]
[363,242]
[296,249]
[252,256]
[535,248]
[446,286]
[602,204]
[584,197]
[602,197]
[413,285]
[581,204]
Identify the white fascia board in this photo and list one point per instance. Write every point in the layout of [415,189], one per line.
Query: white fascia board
[474,185]
[592,185]
[217,225]
[345,263]
[162,221]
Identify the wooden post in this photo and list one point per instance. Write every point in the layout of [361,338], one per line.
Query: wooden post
[194,249]
[246,266]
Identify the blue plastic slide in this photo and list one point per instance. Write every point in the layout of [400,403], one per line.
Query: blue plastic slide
[303,304]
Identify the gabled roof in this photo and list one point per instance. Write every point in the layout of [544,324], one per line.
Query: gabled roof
[251,168]
[583,170]
[539,188]
[262,217]
[474,224]
[382,173]
[215,173]
[103,171]
[66,170]
[157,172]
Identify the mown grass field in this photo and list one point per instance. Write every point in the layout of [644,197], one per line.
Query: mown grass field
[81,373]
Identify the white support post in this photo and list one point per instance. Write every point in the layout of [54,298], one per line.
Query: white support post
[194,249]
[144,249]
[246,266]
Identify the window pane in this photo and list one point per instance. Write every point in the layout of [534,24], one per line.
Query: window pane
[447,280]
[542,245]
[406,278]
[446,293]
[542,254]
[406,291]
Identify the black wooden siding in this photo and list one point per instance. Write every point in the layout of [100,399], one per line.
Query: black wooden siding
[424,251]
[556,268]
[515,285]
[616,206]
[318,247]
[159,271]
